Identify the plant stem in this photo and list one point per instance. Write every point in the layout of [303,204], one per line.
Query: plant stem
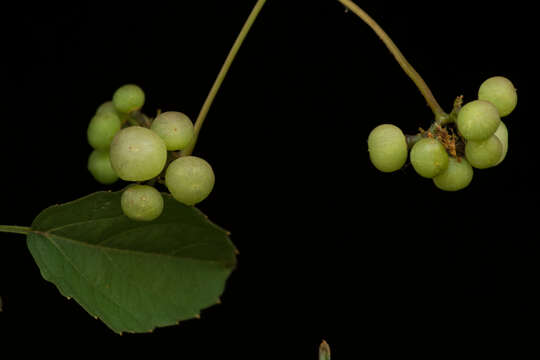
[221,75]
[440,115]
[324,351]
[15,229]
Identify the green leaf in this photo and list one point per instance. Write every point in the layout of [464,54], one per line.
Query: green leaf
[134,276]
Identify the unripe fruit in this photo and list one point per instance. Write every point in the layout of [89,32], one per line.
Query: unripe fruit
[102,129]
[502,134]
[387,147]
[429,157]
[141,202]
[484,154]
[99,165]
[175,128]
[500,92]
[137,154]
[478,120]
[190,179]
[106,107]
[458,175]
[128,98]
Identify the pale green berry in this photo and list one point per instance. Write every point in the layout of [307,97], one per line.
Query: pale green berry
[478,120]
[429,157]
[107,106]
[141,202]
[502,134]
[99,165]
[387,147]
[501,92]
[485,153]
[137,154]
[102,129]
[190,179]
[458,175]
[175,128]
[128,98]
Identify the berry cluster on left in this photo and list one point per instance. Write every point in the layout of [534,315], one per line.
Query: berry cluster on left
[131,146]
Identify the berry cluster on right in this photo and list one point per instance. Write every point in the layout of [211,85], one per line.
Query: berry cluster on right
[474,136]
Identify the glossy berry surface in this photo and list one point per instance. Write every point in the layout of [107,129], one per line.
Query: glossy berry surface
[387,147]
[485,153]
[99,165]
[102,128]
[429,157]
[500,92]
[502,134]
[457,176]
[175,128]
[141,202]
[137,154]
[190,179]
[128,98]
[478,120]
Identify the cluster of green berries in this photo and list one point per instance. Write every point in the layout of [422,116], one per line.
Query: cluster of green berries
[130,146]
[480,139]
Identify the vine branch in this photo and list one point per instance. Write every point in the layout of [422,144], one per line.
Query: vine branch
[221,75]
[440,115]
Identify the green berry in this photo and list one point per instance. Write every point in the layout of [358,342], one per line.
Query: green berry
[502,134]
[484,154]
[102,129]
[190,179]
[387,148]
[137,154]
[429,157]
[141,202]
[501,92]
[128,98]
[99,165]
[107,106]
[478,120]
[175,128]
[458,175]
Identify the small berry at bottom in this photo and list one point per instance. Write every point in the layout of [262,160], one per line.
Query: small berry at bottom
[141,202]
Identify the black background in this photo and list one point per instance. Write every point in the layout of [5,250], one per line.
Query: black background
[330,248]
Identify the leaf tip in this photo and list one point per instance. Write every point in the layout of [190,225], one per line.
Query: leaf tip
[218,301]
[197,316]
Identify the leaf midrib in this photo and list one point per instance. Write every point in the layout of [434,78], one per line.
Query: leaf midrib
[50,237]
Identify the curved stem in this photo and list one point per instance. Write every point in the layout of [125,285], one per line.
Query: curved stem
[440,115]
[221,75]
[15,229]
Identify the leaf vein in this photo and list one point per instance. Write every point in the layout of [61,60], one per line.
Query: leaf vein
[94,286]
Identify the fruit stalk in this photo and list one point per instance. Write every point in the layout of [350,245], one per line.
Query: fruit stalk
[221,75]
[440,115]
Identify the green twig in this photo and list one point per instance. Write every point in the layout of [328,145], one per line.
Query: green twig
[221,75]
[440,115]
